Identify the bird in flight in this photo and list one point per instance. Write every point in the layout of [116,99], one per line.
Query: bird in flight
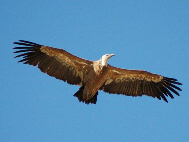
[93,76]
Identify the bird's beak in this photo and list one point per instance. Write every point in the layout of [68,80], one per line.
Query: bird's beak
[112,55]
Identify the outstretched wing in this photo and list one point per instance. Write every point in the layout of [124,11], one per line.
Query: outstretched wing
[138,83]
[55,62]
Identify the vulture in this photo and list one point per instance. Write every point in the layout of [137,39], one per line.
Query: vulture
[93,76]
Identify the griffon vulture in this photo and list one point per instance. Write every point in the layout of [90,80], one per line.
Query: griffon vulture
[95,75]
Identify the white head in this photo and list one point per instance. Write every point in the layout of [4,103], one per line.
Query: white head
[105,59]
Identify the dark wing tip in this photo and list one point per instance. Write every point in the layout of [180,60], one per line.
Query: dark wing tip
[173,80]
[169,86]
[27,50]
[25,43]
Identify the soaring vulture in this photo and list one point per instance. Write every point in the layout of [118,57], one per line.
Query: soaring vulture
[95,75]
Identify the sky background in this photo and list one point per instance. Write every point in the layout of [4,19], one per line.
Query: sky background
[148,35]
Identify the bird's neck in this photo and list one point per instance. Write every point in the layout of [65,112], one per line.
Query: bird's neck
[103,62]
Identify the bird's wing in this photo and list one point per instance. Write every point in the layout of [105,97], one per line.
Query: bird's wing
[138,83]
[55,62]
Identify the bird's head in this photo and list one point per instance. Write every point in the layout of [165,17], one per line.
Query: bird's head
[105,59]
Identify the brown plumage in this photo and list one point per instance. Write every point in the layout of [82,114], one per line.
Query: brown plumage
[95,75]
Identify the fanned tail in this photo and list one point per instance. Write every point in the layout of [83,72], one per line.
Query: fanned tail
[79,95]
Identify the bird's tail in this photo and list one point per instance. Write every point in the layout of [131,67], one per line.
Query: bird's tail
[79,95]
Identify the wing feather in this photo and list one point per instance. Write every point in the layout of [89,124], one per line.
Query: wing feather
[139,82]
[55,62]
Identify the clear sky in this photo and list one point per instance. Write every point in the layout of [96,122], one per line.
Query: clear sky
[148,35]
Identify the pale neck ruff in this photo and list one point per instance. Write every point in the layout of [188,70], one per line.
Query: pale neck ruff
[103,62]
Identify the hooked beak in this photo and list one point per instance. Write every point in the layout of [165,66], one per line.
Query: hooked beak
[112,55]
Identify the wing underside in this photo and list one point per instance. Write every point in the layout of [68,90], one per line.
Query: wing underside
[55,62]
[138,83]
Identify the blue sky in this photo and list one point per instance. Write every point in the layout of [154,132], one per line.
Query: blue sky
[148,35]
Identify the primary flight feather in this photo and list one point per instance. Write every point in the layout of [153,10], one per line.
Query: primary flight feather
[95,75]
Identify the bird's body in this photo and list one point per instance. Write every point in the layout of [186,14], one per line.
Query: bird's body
[93,76]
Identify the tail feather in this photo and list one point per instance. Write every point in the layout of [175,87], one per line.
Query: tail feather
[79,95]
